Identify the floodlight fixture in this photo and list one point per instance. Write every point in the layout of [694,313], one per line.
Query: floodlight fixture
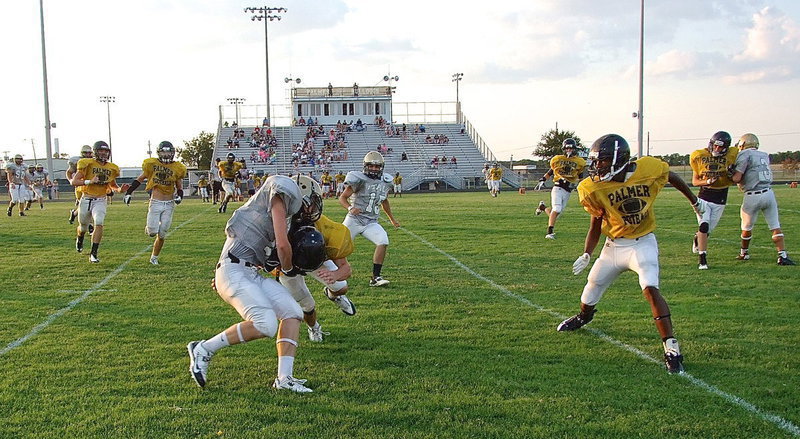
[266,14]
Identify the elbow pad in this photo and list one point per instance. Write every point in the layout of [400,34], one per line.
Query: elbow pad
[134,185]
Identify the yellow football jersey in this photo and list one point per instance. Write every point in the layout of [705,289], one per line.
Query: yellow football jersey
[229,170]
[626,207]
[495,174]
[339,177]
[398,179]
[202,182]
[338,243]
[707,166]
[162,176]
[567,168]
[106,172]
[326,179]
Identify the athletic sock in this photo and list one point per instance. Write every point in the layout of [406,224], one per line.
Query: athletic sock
[783,254]
[95,246]
[216,343]
[550,229]
[376,270]
[285,366]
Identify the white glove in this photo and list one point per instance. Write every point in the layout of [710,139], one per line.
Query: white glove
[539,186]
[127,199]
[178,199]
[700,206]
[581,263]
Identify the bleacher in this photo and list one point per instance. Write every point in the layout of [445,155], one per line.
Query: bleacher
[416,171]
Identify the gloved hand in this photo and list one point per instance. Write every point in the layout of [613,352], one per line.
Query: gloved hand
[178,199]
[731,170]
[127,199]
[291,273]
[581,263]
[540,185]
[700,206]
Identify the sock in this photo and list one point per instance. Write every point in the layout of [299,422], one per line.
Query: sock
[701,252]
[216,343]
[80,240]
[745,251]
[550,230]
[95,246]
[783,254]
[316,325]
[671,345]
[376,270]
[285,366]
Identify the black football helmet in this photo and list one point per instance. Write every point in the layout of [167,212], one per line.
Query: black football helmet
[101,146]
[614,151]
[166,152]
[308,248]
[569,146]
[230,157]
[719,143]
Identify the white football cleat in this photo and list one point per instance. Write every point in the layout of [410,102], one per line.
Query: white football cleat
[199,358]
[342,301]
[550,236]
[94,259]
[378,282]
[316,334]
[154,260]
[291,383]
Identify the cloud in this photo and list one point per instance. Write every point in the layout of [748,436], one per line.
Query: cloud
[772,49]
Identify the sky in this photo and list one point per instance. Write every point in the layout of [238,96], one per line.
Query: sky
[730,65]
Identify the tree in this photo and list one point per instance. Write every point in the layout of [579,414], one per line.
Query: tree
[198,151]
[790,166]
[550,145]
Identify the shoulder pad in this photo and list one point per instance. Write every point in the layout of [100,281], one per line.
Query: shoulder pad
[387,178]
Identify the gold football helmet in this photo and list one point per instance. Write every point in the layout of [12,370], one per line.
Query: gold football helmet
[373,158]
[747,141]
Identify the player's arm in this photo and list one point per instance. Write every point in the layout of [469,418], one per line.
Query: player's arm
[738,170]
[589,244]
[132,187]
[547,175]
[341,273]
[699,205]
[388,209]
[78,179]
[282,245]
[178,191]
[9,177]
[698,180]
[71,169]
[343,201]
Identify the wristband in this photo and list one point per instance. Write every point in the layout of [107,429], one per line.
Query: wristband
[87,182]
[135,184]
[349,208]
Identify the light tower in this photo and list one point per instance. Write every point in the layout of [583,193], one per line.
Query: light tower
[266,14]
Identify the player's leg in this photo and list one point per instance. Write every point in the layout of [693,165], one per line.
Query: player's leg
[300,293]
[377,235]
[748,214]
[335,291]
[558,199]
[98,210]
[773,222]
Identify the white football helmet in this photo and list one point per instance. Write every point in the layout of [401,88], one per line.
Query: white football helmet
[747,141]
[373,158]
[311,192]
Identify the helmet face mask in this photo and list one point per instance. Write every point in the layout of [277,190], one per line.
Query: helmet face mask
[18,159]
[608,157]
[39,168]
[102,152]
[569,146]
[719,144]
[166,152]
[230,157]
[312,200]
[373,164]
[747,141]
[308,248]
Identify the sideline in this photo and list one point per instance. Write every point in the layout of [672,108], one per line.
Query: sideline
[96,287]
[781,423]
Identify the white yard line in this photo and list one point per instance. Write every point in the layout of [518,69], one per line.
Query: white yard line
[733,399]
[96,287]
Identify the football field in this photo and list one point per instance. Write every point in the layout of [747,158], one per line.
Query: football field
[461,344]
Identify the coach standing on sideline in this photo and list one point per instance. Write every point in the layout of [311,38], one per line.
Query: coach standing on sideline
[216,182]
[754,177]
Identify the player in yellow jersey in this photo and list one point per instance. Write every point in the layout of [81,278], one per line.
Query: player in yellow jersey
[86,153]
[326,179]
[566,170]
[495,177]
[202,188]
[97,176]
[229,171]
[397,181]
[334,272]
[339,179]
[165,181]
[619,195]
[712,168]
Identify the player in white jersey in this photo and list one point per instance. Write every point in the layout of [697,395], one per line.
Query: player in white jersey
[41,179]
[254,232]
[369,189]
[754,177]
[18,182]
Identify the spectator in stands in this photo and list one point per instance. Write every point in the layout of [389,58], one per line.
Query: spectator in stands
[265,122]
[355,89]
[453,162]
[234,124]
[422,128]
[463,129]
[435,161]
[330,89]
[359,125]
[225,124]
[302,122]
[403,156]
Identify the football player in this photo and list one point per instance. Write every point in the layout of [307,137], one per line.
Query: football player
[97,176]
[711,170]
[334,272]
[619,195]
[397,181]
[485,172]
[754,177]
[566,170]
[255,231]
[86,153]
[495,177]
[228,170]
[18,181]
[41,179]
[369,189]
[326,180]
[339,179]
[216,182]
[165,181]
[202,187]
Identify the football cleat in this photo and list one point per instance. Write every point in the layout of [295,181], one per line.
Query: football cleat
[291,383]
[220,208]
[199,358]
[576,321]
[550,236]
[72,214]
[540,209]
[8,211]
[316,334]
[378,281]
[743,257]
[23,213]
[342,301]
[93,259]
[703,265]
[785,261]
[154,260]
[673,362]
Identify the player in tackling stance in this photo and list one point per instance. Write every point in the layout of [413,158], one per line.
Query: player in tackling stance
[754,177]
[165,179]
[566,170]
[369,189]
[254,232]
[619,195]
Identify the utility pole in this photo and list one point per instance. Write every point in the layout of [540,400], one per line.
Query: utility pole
[108,100]
[266,14]
[47,123]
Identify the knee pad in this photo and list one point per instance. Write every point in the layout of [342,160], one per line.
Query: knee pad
[307,304]
[703,227]
[267,327]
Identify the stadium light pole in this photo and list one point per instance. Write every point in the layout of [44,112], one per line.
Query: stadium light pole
[236,102]
[457,77]
[265,14]
[108,100]
[48,125]
[639,115]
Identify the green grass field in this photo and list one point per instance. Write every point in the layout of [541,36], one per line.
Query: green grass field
[461,344]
